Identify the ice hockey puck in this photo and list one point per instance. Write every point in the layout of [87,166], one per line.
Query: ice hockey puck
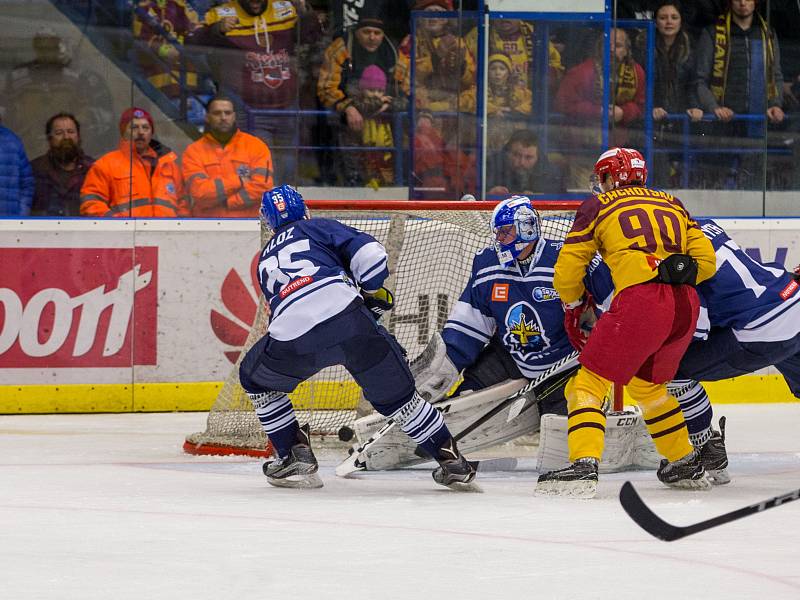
[346,434]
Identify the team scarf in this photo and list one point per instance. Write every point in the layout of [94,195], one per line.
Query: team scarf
[624,84]
[722,55]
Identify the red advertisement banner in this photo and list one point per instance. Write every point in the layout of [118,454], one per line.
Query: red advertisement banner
[78,307]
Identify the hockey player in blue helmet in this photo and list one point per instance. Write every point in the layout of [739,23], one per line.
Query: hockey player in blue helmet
[282,205]
[323,281]
[516,226]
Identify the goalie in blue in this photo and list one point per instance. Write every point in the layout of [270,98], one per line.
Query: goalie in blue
[509,321]
[323,282]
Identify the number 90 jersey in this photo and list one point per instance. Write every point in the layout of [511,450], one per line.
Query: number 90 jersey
[309,271]
[634,229]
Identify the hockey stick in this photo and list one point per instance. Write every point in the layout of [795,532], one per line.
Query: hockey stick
[354,463]
[657,527]
[517,400]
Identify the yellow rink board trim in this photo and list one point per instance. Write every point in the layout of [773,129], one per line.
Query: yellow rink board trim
[321,395]
[156,397]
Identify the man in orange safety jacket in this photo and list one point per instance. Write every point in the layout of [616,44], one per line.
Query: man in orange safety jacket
[227,170]
[141,178]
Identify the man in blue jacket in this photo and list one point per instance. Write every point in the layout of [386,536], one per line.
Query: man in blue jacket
[16,176]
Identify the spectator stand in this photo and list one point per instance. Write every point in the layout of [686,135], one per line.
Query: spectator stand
[94,17]
[399,133]
[472,17]
[108,26]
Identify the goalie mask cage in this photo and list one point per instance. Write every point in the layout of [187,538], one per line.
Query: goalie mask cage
[430,247]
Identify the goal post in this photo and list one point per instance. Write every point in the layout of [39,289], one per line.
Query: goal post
[430,247]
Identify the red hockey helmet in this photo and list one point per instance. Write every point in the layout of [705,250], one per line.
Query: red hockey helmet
[625,166]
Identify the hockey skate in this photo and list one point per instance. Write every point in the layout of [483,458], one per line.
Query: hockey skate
[455,471]
[299,469]
[715,457]
[686,473]
[579,480]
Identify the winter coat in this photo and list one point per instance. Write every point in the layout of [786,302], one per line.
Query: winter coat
[16,177]
[122,184]
[57,191]
[229,180]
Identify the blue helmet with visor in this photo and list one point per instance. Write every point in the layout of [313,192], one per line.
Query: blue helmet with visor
[515,225]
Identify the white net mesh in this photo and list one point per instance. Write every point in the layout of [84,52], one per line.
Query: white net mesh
[430,250]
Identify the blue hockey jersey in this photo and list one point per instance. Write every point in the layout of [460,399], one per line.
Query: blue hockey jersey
[309,271]
[761,303]
[520,307]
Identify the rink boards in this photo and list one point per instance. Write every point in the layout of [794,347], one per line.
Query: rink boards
[124,315]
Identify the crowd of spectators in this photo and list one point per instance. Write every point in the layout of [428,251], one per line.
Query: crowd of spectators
[289,80]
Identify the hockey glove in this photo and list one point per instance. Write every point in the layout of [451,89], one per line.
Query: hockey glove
[579,317]
[378,302]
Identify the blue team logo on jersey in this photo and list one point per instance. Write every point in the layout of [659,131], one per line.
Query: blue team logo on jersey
[543,294]
[524,334]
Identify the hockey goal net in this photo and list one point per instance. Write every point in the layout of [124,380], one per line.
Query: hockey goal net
[430,247]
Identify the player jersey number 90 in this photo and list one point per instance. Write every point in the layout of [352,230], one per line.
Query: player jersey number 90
[646,227]
[277,270]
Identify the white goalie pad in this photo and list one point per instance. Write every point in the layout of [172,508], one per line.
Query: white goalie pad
[396,449]
[434,373]
[628,445]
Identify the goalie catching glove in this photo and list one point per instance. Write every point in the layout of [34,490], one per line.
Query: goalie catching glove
[579,318]
[378,302]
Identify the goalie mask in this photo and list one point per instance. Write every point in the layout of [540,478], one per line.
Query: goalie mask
[282,205]
[625,166]
[515,225]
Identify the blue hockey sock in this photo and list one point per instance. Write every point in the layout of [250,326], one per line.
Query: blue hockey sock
[696,407]
[423,424]
[276,414]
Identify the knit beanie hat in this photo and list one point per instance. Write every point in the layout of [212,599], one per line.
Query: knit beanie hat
[370,16]
[501,58]
[373,78]
[134,113]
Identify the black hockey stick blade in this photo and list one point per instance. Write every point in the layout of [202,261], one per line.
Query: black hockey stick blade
[637,510]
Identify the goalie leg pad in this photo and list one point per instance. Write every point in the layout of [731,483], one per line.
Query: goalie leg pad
[627,443]
[396,450]
[276,414]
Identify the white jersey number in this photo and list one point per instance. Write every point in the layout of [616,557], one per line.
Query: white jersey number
[727,254]
[278,270]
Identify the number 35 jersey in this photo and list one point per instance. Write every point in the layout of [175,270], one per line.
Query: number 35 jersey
[761,303]
[634,229]
[309,271]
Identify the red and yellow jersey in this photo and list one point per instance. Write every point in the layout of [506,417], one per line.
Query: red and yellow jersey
[634,229]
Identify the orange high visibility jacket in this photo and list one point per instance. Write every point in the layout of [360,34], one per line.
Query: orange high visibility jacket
[229,180]
[122,184]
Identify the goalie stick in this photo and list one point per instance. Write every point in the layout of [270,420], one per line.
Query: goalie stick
[518,399]
[354,463]
[657,527]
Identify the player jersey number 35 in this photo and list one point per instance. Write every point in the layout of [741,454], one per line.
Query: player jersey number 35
[278,269]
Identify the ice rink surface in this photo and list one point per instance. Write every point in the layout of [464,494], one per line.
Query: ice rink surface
[108,506]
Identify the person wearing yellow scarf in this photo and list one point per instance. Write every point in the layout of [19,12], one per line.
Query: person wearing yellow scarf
[738,65]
